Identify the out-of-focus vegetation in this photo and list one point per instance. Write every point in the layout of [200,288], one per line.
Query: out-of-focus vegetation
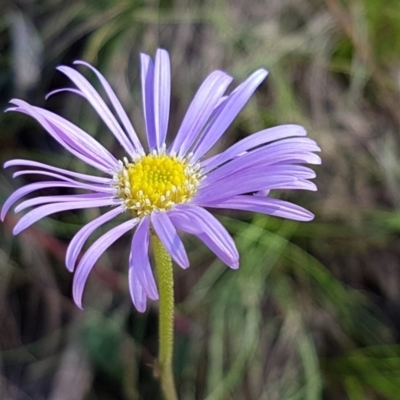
[314,310]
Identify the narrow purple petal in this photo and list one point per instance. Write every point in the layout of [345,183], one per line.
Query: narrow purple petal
[264,157]
[136,290]
[38,213]
[299,158]
[93,254]
[256,139]
[78,138]
[29,163]
[78,185]
[62,90]
[139,259]
[32,187]
[219,251]
[230,187]
[99,105]
[267,205]
[58,135]
[230,108]
[78,241]
[301,184]
[200,110]
[242,184]
[147,75]
[263,193]
[60,199]
[162,95]
[117,106]
[196,220]
[169,238]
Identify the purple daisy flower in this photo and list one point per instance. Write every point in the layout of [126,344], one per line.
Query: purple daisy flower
[164,188]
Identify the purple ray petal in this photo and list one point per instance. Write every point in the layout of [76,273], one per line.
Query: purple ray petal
[256,139]
[299,158]
[78,241]
[38,213]
[147,75]
[301,184]
[60,199]
[233,187]
[137,292]
[200,110]
[62,90]
[267,205]
[99,105]
[253,170]
[139,259]
[169,238]
[78,138]
[117,106]
[58,135]
[217,249]
[207,228]
[79,185]
[264,157]
[29,163]
[230,187]
[93,254]
[263,193]
[162,95]
[230,108]
[24,190]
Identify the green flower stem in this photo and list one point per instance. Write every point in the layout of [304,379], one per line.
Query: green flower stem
[165,280]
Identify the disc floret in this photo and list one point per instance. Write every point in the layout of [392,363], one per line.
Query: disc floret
[156,182]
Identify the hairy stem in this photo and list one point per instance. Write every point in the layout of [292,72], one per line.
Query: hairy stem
[166,322]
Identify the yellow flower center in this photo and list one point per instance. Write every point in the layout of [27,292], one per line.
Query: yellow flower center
[156,182]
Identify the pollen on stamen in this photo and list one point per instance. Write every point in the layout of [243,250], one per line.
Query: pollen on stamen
[156,182]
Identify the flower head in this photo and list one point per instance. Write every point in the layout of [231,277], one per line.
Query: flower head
[164,187]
